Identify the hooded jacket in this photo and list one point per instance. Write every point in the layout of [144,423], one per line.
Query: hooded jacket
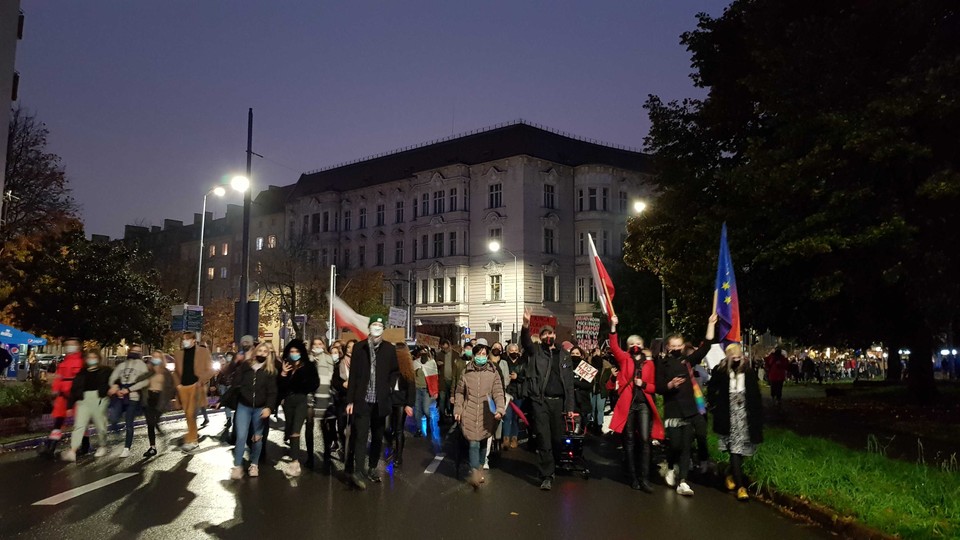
[472,401]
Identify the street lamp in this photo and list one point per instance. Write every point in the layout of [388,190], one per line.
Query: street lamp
[238,183]
[494,248]
[638,208]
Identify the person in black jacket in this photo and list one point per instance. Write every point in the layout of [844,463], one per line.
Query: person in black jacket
[581,387]
[257,381]
[373,374]
[518,374]
[298,380]
[89,393]
[402,395]
[682,414]
[550,389]
[734,397]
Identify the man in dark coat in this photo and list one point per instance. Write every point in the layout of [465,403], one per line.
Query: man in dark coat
[549,386]
[374,371]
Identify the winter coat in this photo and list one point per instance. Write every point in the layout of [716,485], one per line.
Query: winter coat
[388,371]
[538,370]
[102,375]
[257,387]
[680,402]
[202,368]
[514,386]
[777,366]
[304,380]
[718,399]
[627,386]
[471,401]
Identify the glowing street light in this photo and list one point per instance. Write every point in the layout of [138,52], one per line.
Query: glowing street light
[240,183]
[639,207]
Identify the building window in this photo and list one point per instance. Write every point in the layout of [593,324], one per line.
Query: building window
[437,245]
[592,291]
[496,290]
[380,254]
[425,205]
[398,294]
[272,241]
[213,250]
[259,243]
[210,272]
[453,244]
[495,198]
[362,256]
[398,252]
[581,289]
[582,244]
[438,290]
[423,247]
[414,206]
[424,293]
[466,198]
[549,196]
[326,222]
[225,249]
[592,193]
[604,195]
[414,256]
[548,246]
[496,234]
[606,242]
[346,220]
[381,211]
[324,258]
[453,199]
[623,202]
[363,219]
[438,202]
[315,223]
[453,289]
[346,258]
[399,212]
[579,200]
[549,288]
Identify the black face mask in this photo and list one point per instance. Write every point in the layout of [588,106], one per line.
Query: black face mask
[514,356]
[496,352]
[547,341]
[261,358]
[675,354]
[635,350]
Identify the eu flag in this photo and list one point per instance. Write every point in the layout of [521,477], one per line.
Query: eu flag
[728,305]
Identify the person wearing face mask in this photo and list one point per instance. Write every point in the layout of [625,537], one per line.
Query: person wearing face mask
[445,363]
[581,386]
[298,380]
[403,393]
[684,405]
[155,397]
[320,400]
[125,389]
[374,371]
[257,381]
[89,393]
[635,412]
[66,370]
[338,385]
[516,364]
[472,408]
[734,397]
[503,370]
[427,383]
[550,388]
[193,366]
[224,381]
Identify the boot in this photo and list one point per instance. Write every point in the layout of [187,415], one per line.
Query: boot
[513,442]
[398,449]
[505,443]
[645,457]
[631,458]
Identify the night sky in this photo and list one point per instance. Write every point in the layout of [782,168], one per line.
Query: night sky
[147,102]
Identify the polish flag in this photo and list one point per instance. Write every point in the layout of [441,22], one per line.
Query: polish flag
[601,280]
[432,374]
[346,317]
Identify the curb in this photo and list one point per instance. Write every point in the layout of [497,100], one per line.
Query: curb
[829,519]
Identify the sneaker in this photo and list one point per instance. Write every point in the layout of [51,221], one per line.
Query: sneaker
[68,455]
[374,475]
[236,473]
[205,424]
[742,494]
[547,484]
[684,489]
[56,435]
[102,451]
[671,477]
[730,484]
[293,469]
[125,453]
[254,471]
[150,453]
[486,465]
[189,447]
[358,482]
[646,486]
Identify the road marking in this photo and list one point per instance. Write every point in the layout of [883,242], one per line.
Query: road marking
[432,467]
[76,492]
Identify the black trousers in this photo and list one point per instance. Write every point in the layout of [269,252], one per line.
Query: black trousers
[367,423]
[548,425]
[776,390]
[681,443]
[398,417]
[581,399]
[638,422]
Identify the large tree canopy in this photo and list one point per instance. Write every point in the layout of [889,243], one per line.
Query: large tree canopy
[828,143]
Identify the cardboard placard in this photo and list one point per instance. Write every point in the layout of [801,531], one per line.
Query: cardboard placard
[426,340]
[398,317]
[586,371]
[539,321]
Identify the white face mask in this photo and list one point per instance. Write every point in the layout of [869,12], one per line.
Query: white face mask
[70,349]
[376,330]
[335,356]
[317,350]
[187,343]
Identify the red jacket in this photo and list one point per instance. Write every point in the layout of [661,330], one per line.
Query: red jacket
[63,383]
[776,366]
[625,380]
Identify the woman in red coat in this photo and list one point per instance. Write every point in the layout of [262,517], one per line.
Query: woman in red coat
[635,410]
[63,383]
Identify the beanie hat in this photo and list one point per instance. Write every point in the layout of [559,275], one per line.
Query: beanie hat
[376,319]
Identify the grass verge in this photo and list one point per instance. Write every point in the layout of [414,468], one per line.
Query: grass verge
[895,497]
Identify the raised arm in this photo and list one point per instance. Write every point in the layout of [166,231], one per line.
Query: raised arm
[525,340]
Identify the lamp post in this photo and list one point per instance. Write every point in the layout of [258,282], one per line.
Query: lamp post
[638,208]
[494,248]
[219,192]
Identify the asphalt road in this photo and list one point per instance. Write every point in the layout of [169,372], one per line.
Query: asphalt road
[191,496]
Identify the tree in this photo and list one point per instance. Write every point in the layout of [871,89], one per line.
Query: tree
[362,290]
[827,142]
[218,318]
[292,282]
[98,291]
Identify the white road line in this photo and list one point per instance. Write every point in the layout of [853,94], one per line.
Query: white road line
[76,492]
[432,467]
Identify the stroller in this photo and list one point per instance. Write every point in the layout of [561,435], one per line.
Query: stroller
[570,457]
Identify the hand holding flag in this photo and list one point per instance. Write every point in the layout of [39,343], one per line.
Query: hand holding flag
[601,281]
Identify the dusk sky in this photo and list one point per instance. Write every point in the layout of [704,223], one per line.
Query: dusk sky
[146,102]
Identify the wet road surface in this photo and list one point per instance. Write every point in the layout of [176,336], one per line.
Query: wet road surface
[181,496]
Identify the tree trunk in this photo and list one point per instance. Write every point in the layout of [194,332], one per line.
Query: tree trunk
[894,372]
[920,373]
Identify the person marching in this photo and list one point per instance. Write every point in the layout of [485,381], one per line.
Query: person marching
[734,397]
[155,397]
[257,381]
[193,366]
[126,383]
[404,393]
[298,381]
[67,370]
[479,384]
[684,405]
[89,393]
[517,366]
[635,410]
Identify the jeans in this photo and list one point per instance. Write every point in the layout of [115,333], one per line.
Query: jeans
[599,401]
[427,406]
[295,414]
[247,420]
[91,408]
[130,410]
[473,455]
[511,421]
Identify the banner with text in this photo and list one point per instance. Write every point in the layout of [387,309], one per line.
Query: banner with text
[398,317]
[539,321]
[426,340]
[587,331]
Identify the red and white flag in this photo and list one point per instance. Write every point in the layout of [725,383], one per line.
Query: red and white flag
[601,281]
[432,375]
[346,317]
